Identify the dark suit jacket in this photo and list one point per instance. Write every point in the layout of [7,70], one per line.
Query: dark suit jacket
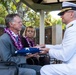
[7,50]
[24,42]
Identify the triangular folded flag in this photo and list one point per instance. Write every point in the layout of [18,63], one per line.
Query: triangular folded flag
[27,50]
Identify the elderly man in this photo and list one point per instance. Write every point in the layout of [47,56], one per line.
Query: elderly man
[66,51]
[10,42]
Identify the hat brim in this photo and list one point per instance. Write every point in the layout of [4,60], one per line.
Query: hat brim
[63,11]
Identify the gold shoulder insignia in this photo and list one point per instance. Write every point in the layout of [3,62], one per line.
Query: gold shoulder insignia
[70,25]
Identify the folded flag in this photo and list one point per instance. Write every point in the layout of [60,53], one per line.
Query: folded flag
[26,51]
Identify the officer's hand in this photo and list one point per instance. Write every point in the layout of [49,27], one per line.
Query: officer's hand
[40,46]
[44,50]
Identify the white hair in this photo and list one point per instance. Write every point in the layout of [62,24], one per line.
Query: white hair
[74,14]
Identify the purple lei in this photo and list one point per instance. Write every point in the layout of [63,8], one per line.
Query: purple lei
[18,44]
[28,40]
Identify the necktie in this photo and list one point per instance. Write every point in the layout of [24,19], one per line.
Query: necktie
[17,38]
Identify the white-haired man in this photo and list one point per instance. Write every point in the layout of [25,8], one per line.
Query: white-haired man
[66,51]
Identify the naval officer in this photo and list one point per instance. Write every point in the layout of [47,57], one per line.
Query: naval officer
[66,51]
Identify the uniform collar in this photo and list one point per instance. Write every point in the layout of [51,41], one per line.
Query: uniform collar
[70,24]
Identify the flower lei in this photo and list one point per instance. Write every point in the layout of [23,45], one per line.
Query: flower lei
[18,44]
[28,40]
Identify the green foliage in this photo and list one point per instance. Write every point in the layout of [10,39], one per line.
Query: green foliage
[32,18]
[13,7]
[3,13]
[29,16]
[63,26]
[17,1]
[2,22]
[48,19]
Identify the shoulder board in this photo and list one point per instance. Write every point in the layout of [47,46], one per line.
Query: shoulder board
[70,25]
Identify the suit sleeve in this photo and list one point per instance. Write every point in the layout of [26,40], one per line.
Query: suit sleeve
[7,50]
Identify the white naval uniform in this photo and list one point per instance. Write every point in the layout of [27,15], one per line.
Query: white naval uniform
[65,52]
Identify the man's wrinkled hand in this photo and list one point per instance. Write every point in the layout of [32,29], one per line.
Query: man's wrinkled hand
[40,46]
[44,50]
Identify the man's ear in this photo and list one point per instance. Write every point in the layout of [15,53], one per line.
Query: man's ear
[11,23]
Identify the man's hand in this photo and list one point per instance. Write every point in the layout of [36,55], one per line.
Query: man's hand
[32,55]
[44,50]
[40,46]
